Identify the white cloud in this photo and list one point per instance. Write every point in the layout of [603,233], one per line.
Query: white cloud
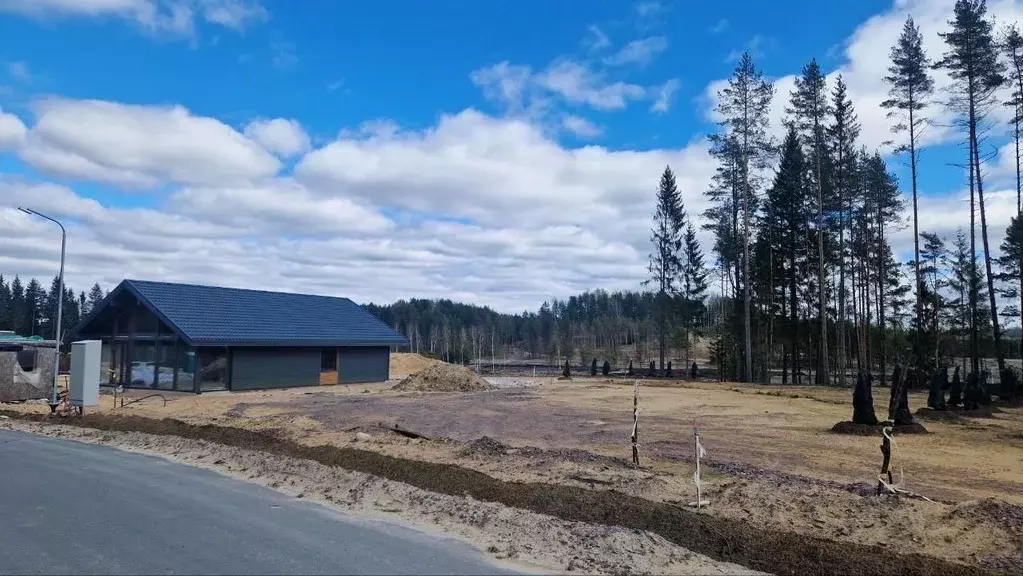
[596,39]
[581,127]
[176,17]
[139,146]
[720,26]
[640,52]
[457,210]
[757,46]
[578,84]
[12,131]
[283,137]
[665,94]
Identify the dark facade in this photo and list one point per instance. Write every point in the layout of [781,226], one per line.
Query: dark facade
[200,338]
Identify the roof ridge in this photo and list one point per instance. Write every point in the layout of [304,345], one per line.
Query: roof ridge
[255,290]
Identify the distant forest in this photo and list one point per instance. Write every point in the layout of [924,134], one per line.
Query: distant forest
[801,283]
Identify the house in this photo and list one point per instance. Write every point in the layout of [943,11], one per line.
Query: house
[26,367]
[203,338]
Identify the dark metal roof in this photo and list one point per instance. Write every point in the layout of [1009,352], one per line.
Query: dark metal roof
[214,316]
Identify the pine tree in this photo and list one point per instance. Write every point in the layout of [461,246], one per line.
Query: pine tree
[50,308]
[933,256]
[808,109]
[665,261]
[745,104]
[842,133]
[1012,48]
[973,64]
[910,87]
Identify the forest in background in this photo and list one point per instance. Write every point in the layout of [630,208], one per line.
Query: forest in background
[801,283]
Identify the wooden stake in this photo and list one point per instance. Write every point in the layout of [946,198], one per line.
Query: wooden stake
[696,432]
[635,422]
[886,452]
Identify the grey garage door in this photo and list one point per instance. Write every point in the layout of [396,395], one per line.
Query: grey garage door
[370,364]
[255,368]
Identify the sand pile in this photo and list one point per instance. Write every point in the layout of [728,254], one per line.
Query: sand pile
[442,377]
[405,363]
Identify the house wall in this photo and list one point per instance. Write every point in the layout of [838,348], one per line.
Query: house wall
[364,364]
[37,384]
[257,368]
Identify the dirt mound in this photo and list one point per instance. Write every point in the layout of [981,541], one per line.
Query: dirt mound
[854,429]
[444,378]
[951,416]
[484,446]
[405,363]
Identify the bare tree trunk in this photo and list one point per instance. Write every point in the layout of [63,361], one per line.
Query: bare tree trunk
[999,353]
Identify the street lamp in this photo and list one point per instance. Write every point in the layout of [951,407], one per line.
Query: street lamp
[60,301]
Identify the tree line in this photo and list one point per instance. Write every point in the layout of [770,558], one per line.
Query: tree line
[802,228]
[28,309]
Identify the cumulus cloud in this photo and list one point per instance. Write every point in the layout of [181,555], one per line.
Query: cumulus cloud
[140,146]
[12,131]
[281,136]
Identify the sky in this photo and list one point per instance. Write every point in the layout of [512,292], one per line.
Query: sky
[501,153]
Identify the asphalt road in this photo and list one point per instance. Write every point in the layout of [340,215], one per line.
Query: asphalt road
[71,508]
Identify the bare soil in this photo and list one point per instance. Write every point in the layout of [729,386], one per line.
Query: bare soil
[774,464]
[405,363]
[523,540]
[442,377]
[720,538]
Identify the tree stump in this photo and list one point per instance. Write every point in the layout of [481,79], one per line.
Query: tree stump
[694,371]
[863,400]
[898,405]
[939,381]
[668,373]
[652,371]
[971,396]
[955,392]
[630,372]
[606,369]
[984,388]
[1009,386]
[593,367]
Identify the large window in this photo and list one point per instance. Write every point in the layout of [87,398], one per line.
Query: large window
[143,364]
[186,369]
[165,365]
[212,369]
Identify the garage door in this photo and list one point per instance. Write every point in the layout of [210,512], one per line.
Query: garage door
[255,368]
[364,364]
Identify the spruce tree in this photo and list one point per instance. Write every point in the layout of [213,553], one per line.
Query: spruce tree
[95,297]
[35,302]
[665,265]
[910,87]
[693,288]
[744,105]
[973,64]
[786,225]
[5,305]
[19,309]
[808,109]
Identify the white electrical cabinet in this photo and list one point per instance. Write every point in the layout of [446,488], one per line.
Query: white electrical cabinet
[85,357]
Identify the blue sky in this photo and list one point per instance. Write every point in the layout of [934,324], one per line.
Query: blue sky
[499,152]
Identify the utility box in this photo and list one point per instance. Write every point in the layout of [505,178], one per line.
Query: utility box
[85,357]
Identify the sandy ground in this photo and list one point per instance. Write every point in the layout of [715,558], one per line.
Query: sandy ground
[772,460]
[404,363]
[534,542]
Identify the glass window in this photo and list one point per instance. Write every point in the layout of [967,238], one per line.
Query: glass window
[105,358]
[212,369]
[143,364]
[165,365]
[328,360]
[186,369]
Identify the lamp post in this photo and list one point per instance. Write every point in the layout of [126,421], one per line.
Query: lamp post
[60,302]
